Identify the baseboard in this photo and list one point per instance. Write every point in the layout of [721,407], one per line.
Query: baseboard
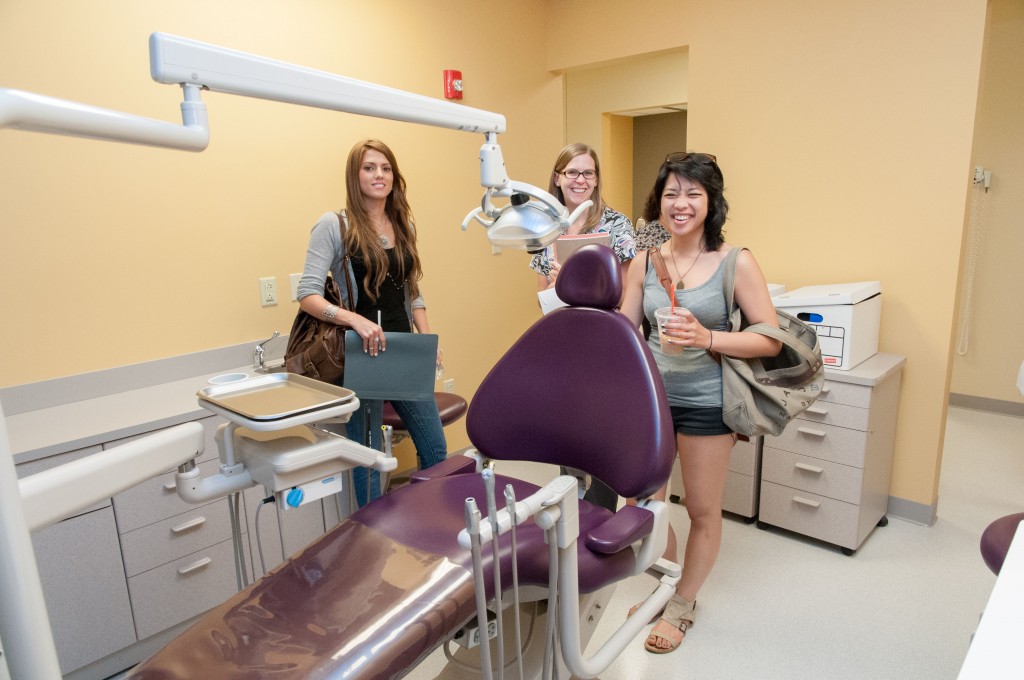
[1009,408]
[912,511]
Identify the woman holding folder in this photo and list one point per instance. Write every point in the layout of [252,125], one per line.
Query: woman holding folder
[576,178]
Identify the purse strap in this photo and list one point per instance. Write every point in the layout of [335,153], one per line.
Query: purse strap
[654,255]
[342,223]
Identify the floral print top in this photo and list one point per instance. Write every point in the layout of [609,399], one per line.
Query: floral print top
[613,222]
[651,235]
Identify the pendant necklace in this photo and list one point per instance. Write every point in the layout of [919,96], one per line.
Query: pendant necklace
[683,275]
[384,241]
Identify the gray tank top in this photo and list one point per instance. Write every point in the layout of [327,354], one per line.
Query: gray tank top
[692,378]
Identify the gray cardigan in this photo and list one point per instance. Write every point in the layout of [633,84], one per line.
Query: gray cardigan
[325,253]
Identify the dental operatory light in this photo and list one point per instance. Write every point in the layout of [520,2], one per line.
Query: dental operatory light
[526,224]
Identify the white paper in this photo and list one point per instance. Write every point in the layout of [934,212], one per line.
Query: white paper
[549,300]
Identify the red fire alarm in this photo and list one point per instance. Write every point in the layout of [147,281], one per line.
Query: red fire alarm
[452,84]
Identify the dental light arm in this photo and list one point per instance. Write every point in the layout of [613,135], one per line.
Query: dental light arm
[522,224]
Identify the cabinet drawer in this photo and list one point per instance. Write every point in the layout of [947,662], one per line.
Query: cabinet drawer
[831,413]
[159,543]
[740,495]
[845,393]
[154,500]
[743,457]
[821,477]
[177,591]
[827,442]
[809,514]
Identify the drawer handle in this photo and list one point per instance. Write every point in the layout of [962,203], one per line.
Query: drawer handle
[805,501]
[198,564]
[825,389]
[171,486]
[191,524]
[813,433]
[816,411]
[809,468]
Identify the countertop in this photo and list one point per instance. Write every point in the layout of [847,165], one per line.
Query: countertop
[49,431]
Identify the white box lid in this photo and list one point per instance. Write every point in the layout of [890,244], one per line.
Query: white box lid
[832,294]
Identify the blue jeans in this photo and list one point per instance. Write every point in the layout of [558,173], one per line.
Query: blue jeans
[421,420]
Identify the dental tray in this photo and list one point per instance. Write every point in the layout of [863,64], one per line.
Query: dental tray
[277,400]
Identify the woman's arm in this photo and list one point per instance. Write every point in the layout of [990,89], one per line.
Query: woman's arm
[633,289]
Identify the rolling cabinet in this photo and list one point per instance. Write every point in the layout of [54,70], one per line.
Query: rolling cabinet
[827,475]
[177,557]
[742,482]
[90,622]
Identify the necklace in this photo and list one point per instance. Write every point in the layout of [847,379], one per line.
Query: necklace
[683,275]
[379,228]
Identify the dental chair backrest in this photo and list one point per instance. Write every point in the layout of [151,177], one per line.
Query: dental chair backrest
[580,388]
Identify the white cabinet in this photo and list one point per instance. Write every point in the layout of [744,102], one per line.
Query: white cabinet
[83,581]
[827,475]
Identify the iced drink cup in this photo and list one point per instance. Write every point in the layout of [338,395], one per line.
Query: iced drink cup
[663,315]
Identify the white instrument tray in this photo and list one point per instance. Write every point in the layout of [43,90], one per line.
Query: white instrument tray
[277,400]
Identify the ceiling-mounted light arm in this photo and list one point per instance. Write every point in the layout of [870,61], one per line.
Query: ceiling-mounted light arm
[38,113]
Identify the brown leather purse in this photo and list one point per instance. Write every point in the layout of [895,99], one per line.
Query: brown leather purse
[316,347]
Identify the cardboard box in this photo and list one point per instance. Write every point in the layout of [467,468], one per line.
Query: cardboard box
[847,317]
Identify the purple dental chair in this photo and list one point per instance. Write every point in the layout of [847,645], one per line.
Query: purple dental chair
[375,595]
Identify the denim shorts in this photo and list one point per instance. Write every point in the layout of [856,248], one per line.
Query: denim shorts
[699,421]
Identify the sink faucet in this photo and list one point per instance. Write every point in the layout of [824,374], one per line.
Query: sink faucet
[258,352]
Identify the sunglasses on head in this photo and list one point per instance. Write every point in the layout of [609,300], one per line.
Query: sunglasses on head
[680,156]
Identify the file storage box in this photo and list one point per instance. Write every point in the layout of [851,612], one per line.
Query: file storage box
[846,316]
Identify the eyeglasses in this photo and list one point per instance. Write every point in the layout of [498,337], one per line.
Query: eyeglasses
[574,174]
[680,156]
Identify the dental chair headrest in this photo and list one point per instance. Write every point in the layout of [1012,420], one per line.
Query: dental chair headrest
[591,278]
[580,388]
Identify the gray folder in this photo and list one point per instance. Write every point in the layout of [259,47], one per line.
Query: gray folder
[404,372]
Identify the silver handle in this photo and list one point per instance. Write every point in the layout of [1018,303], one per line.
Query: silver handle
[812,433]
[814,410]
[170,486]
[806,501]
[809,468]
[191,524]
[198,564]
[825,389]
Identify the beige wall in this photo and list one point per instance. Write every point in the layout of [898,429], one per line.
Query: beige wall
[115,254]
[844,132]
[994,344]
[654,137]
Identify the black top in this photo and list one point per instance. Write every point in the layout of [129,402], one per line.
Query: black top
[390,300]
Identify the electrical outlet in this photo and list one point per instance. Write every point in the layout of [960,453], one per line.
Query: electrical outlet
[449,385]
[268,291]
[294,281]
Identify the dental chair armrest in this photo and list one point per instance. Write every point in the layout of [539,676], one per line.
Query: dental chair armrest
[625,527]
[456,465]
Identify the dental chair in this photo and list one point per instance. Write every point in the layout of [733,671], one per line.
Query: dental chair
[378,593]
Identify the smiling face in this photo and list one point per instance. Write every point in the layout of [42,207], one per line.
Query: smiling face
[578,189]
[684,206]
[375,175]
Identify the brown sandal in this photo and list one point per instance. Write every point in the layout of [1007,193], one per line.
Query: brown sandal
[679,612]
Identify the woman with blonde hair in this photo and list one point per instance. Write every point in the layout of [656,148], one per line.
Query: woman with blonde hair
[576,178]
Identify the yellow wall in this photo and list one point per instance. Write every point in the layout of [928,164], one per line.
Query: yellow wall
[844,132]
[994,346]
[115,254]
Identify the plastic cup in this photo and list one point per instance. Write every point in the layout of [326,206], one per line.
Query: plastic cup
[663,315]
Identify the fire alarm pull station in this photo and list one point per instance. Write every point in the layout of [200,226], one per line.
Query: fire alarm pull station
[452,84]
